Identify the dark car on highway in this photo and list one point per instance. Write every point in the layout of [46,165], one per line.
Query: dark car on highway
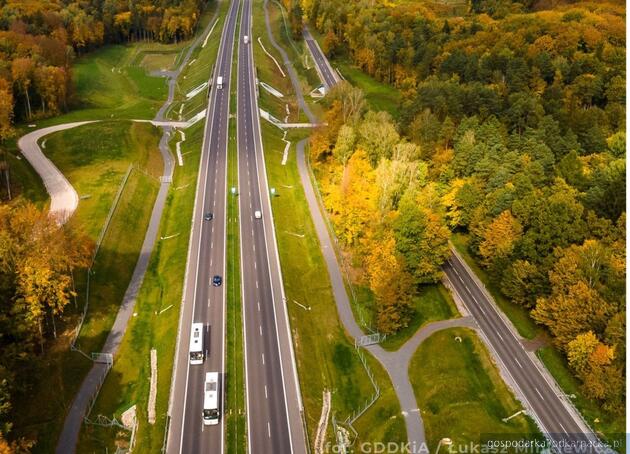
[216,281]
[208,216]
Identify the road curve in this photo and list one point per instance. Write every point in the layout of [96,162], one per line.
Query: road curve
[63,197]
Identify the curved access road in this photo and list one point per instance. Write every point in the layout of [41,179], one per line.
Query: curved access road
[63,197]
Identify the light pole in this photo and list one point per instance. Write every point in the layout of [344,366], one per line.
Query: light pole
[445,442]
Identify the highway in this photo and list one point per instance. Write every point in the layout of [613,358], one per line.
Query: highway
[272,393]
[203,302]
[557,422]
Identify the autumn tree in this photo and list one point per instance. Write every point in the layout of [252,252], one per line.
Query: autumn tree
[421,238]
[6,110]
[390,283]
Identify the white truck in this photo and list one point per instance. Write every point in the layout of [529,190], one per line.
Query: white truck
[211,399]
[220,82]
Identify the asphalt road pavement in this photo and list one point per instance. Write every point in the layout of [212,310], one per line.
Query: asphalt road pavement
[203,302]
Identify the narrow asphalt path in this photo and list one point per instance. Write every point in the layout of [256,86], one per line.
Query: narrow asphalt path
[63,197]
[72,425]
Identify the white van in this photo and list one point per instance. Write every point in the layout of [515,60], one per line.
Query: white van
[257,214]
[246,39]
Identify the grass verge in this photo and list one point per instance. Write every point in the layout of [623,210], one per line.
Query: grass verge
[461,392]
[235,405]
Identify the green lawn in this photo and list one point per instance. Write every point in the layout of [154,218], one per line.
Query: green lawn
[324,354]
[104,88]
[460,391]
[23,179]
[99,170]
[518,315]
[433,303]
[610,427]
[380,96]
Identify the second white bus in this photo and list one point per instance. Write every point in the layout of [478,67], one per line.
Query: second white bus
[211,399]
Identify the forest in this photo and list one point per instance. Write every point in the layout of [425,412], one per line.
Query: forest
[39,40]
[511,129]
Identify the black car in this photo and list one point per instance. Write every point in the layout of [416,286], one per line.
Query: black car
[216,281]
[208,217]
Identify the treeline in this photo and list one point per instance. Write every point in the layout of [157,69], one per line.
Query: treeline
[39,40]
[518,118]
[37,260]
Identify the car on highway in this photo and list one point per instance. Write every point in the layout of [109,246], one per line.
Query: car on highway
[217,281]
[245,39]
[257,214]
[208,216]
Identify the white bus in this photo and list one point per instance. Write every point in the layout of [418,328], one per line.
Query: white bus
[211,399]
[196,344]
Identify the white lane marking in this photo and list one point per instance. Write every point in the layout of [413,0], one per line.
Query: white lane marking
[256,284]
[211,244]
[263,358]
[563,429]
[266,396]
[539,393]
[517,362]
[268,429]
[208,302]
[255,267]
[258,306]
[501,337]
[260,329]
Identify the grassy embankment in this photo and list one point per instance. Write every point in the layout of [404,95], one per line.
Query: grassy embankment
[324,353]
[456,384]
[157,306]
[94,158]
